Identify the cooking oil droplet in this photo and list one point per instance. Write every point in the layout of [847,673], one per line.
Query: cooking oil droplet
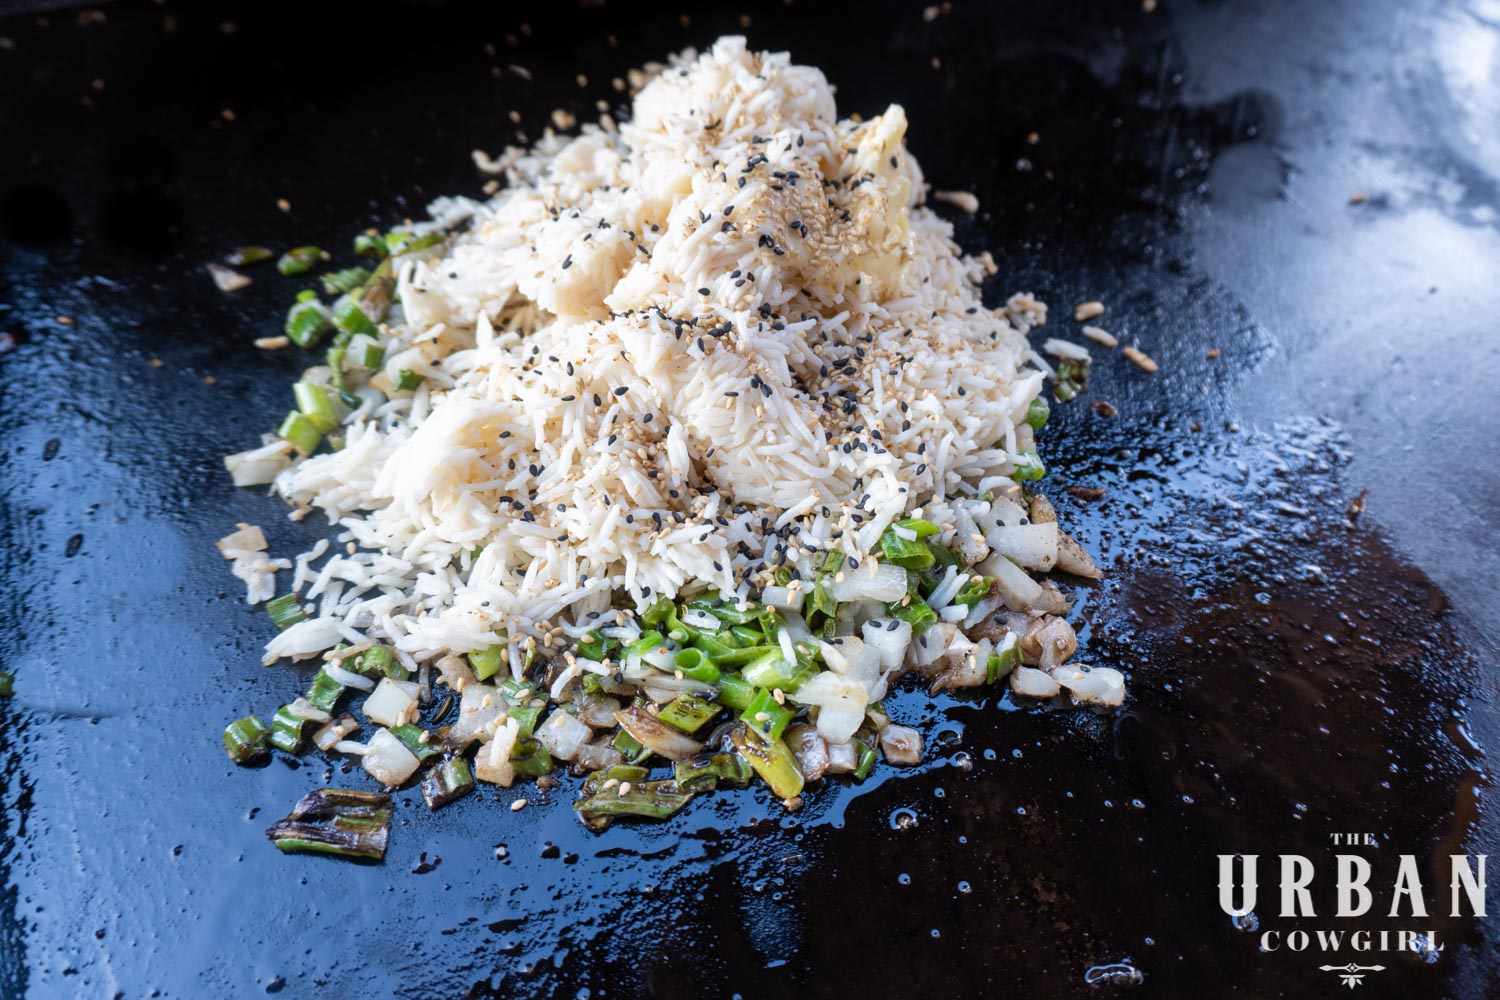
[1248,922]
[903,819]
[963,761]
[904,879]
[965,888]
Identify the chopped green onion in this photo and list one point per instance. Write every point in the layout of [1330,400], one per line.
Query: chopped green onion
[747,635]
[1028,467]
[598,649]
[1037,413]
[766,717]
[486,662]
[335,357]
[781,575]
[516,692]
[335,821]
[285,611]
[773,670]
[306,322]
[915,612]
[407,380]
[725,609]
[945,555]
[973,592]
[370,246]
[289,732]
[530,758]
[865,760]
[919,527]
[7,685]
[907,552]
[349,317]
[411,737]
[316,405]
[300,433]
[371,354]
[697,664]
[244,739]
[307,295]
[833,562]
[325,691]
[735,692]
[620,772]
[652,799]
[1005,658]
[244,256]
[820,611]
[688,712]
[630,748]
[773,761]
[526,717]
[704,774]
[299,260]
[347,280]
[399,243]
[448,782]
[380,661]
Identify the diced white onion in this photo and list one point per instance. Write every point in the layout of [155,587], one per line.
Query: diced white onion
[1034,546]
[888,642]
[390,701]
[1092,685]
[885,583]
[1033,683]
[562,734]
[388,760]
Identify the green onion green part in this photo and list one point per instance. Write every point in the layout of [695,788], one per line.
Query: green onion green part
[336,821]
[244,739]
[299,260]
[244,256]
[285,611]
[766,717]
[448,782]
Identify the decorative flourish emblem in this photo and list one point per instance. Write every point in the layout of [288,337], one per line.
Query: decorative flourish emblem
[1351,975]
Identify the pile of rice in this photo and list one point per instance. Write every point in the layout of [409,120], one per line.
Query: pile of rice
[667,357]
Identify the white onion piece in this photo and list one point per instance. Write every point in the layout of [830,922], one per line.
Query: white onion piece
[478,707]
[598,756]
[967,537]
[947,588]
[937,642]
[1034,546]
[851,658]
[841,704]
[870,582]
[1016,589]
[390,701]
[698,618]
[1073,558]
[492,763]
[982,610]
[562,735]
[810,749]
[889,643]
[969,670]
[843,758]
[349,678]
[596,710]
[901,745]
[246,538]
[388,760]
[1092,685]
[1033,683]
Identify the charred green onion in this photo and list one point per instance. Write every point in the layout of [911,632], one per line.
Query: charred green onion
[703,774]
[244,739]
[335,821]
[652,799]
[688,712]
[325,692]
[414,738]
[367,245]
[448,782]
[772,760]
[289,732]
[530,758]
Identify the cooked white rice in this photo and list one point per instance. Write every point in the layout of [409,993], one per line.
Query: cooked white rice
[665,358]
